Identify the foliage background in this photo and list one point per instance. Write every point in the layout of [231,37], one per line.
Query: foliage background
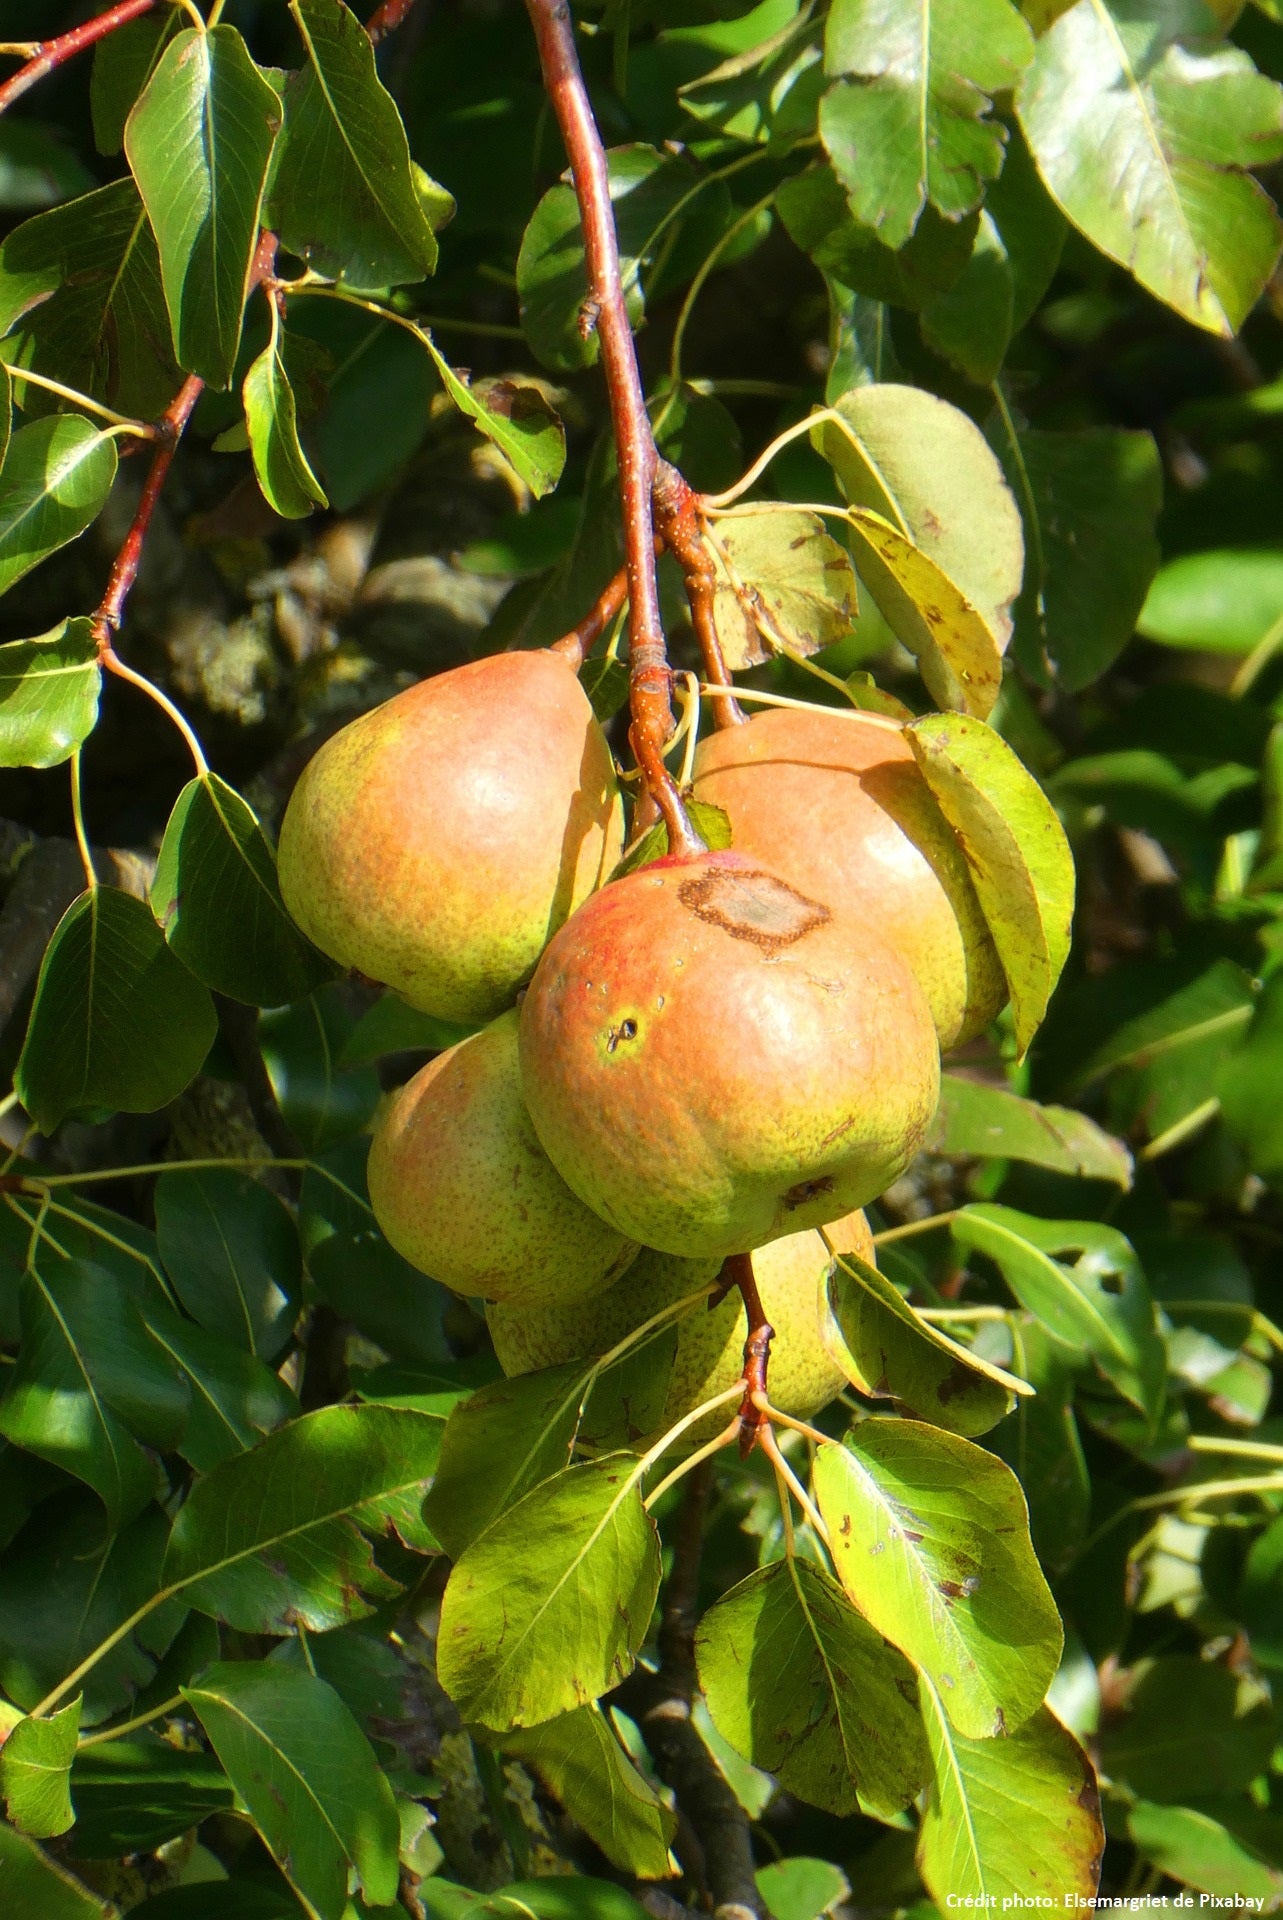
[1121,1240]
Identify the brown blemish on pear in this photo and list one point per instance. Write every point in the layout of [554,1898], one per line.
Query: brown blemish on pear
[838,808]
[438,841]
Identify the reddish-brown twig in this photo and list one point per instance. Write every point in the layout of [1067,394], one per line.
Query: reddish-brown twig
[738,1272]
[605,309]
[125,566]
[387,18]
[677,517]
[49,54]
[576,645]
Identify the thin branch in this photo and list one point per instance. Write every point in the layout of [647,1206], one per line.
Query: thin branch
[48,54]
[386,19]
[576,645]
[605,309]
[677,513]
[738,1272]
[124,570]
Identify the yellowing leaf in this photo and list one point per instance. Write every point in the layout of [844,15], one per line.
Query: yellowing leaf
[1015,848]
[783,585]
[957,653]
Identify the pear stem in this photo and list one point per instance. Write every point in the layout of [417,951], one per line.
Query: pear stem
[738,1272]
[606,313]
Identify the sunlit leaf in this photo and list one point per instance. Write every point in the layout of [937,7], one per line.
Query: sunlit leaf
[782,585]
[35,1770]
[57,475]
[49,691]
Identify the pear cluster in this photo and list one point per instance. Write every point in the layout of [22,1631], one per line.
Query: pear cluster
[714,1054]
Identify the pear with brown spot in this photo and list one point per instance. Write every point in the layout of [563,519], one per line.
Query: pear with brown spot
[462,1189]
[438,841]
[712,1059]
[837,806]
[791,1275]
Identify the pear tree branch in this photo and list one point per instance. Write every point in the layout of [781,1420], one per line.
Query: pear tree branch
[605,311]
[45,55]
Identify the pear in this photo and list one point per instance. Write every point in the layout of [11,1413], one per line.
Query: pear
[837,806]
[463,1191]
[436,842]
[712,1059]
[791,1278]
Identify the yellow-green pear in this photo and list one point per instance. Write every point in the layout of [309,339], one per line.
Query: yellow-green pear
[464,1192]
[791,1275]
[835,804]
[439,841]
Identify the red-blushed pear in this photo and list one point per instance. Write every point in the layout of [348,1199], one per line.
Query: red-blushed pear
[836,805]
[463,1190]
[437,842]
[791,1278]
[713,1059]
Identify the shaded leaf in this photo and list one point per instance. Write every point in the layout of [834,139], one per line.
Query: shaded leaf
[365,1281]
[803,1687]
[271,416]
[308,1777]
[132,1796]
[1015,849]
[235,1398]
[782,584]
[1191,1845]
[1224,600]
[987,1122]
[972,322]
[1041,1445]
[371,226]
[956,652]
[928,470]
[123,63]
[231,1250]
[273,1536]
[81,298]
[817,216]
[49,691]
[35,1770]
[1100,1304]
[1141,127]
[37,1886]
[516,418]
[57,475]
[1188,1732]
[887,1352]
[500,1443]
[713,824]
[908,118]
[580,1759]
[199,140]
[216,897]
[393,1026]
[930,1539]
[1015,1819]
[545,1611]
[117,1022]
[302,1044]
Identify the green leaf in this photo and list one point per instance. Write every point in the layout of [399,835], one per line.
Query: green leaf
[500,1443]
[781,585]
[345,196]
[35,1771]
[308,1778]
[1015,1819]
[580,1759]
[393,1026]
[39,1889]
[930,1539]
[231,1250]
[1100,1304]
[57,475]
[364,1281]
[235,1399]
[928,470]
[81,298]
[983,1122]
[764,92]
[216,897]
[908,120]
[199,141]
[1190,1730]
[956,652]
[1016,853]
[971,323]
[713,824]
[1141,127]
[88,1379]
[518,419]
[546,1610]
[1040,1444]
[816,214]
[1090,502]
[1222,601]
[131,1796]
[802,1888]
[302,1044]
[117,1022]
[66,1584]
[1190,1845]
[273,1536]
[886,1351]
[1248,1083]
[123,64]
[289,485]
[803,1687]
[49,691]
